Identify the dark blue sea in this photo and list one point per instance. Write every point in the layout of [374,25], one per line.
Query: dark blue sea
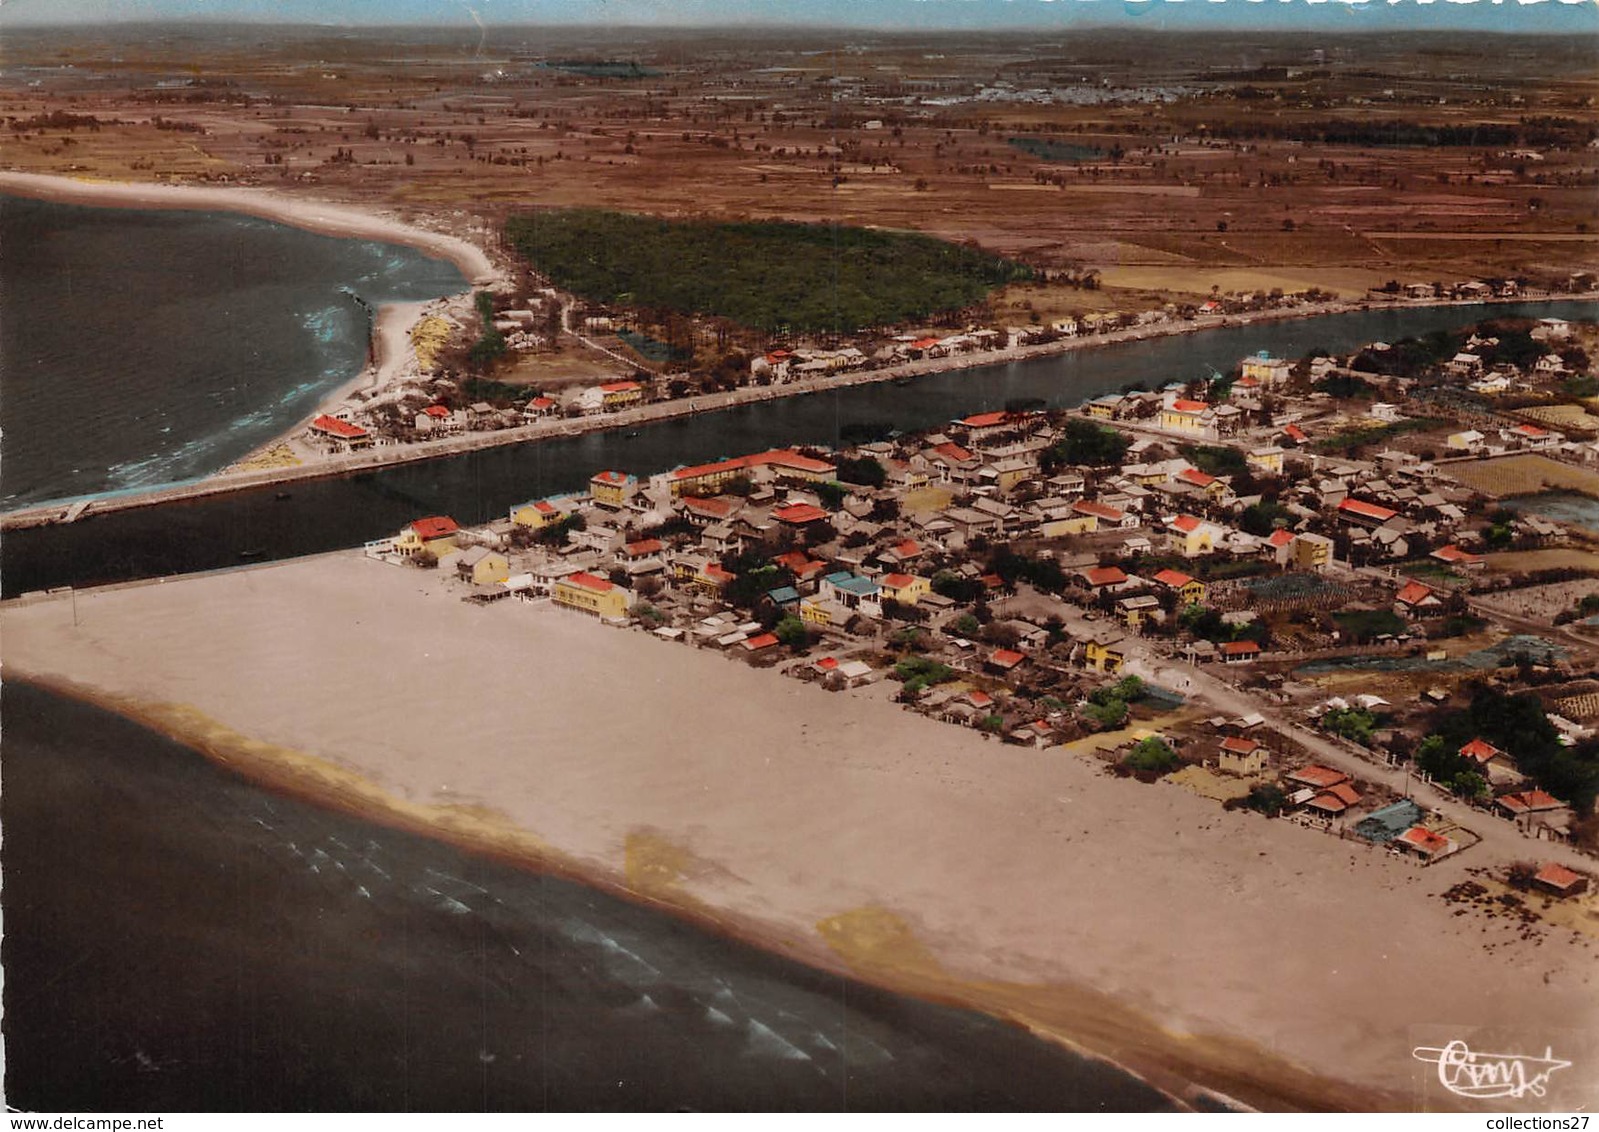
[146,347]
[179,939]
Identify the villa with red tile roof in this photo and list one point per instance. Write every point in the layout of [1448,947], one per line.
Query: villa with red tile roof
[1416,598]
[434,535]
[1454,556]
[907,589]
[785,462]
[1556,878]
[1005,660]
[1424,843]
[342,433]
[620,394]
[1097,576]
[1482,752]
[1238,755]
[1334,800]
[1187,588]
[1317,776]
[1240,652]
[591,594]
[799,514]
[1528,802]
[1365,514]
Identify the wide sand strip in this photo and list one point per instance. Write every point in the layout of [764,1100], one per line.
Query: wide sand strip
[1268,961]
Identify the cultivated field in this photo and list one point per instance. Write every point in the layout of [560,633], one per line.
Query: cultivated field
[1523,475]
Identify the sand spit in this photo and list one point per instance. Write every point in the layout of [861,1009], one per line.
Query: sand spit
[300,212]
[1138,922]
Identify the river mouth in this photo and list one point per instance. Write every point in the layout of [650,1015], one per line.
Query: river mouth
[148,347]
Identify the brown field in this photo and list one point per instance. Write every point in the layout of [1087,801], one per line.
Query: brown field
[1564,594]
[893,132]
[1523,475]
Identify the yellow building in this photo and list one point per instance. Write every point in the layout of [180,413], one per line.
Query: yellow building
[1268,460]
[1241,756]
[907,589]
[435,536]
[1192,537]
[1073,525]
[1266,369]
[1190,591]
[1187,416]
[620,395]
[1311,552]
[485,567]
[592,595]
[611,489]
[1104,653]
[538,514]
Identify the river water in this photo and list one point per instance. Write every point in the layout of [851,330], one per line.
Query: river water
[211,533]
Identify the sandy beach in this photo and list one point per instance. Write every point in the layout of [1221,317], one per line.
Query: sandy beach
[1140,922]
[301,212]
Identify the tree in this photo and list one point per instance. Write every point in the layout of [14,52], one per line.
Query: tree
[793,633]
[1152,756]
[863,470]
[1266,798]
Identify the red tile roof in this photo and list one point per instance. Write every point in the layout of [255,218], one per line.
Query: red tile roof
[1321,777]
[542,402]
[798,514]
[1196,477]
[898,581]
[985,420]
[436,526]
[907,549]
[1480,750]
[979,699]
[1531,431]
[436,411]
[1414,593]
[1098,510]
[826,664]
[1295,433]
[1175,579]
[1530,801]
[1453,553]
[1189,406]
[613,479]
[992,581]
[764,641]
[1557,875]
[1105,576]
[620,387]
[1281,537]
[344,430]
[1240,648]
[589,582]
[953,451]
[1233,745]
[1367,510]
[779,457]
[1188,524]
[1006,658]
[713,508]
[1424,839]
[924,343]
[643,546]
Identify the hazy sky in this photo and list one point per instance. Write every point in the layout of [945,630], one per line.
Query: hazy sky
[1564,16]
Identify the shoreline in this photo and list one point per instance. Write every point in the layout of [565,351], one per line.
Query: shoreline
[1184,1067]
[225,482]
[324,217]
[850,836]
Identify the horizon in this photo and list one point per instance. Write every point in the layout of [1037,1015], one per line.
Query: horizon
[1535,17]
